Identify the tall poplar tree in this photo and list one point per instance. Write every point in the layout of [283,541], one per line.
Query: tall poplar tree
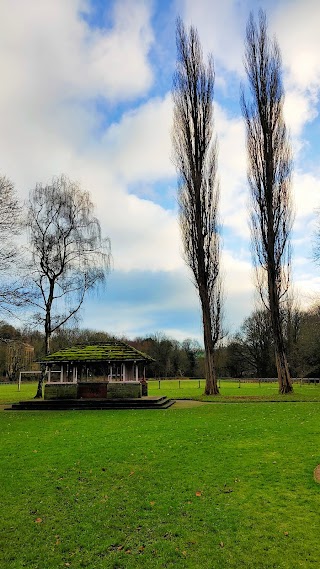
[269,177]
[195,156]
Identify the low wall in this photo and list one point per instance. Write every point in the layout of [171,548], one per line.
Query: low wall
[60,391]
[124,390]
[94,390]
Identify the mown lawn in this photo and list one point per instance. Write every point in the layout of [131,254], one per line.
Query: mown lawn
[231,391]
[189,389]
[216,486]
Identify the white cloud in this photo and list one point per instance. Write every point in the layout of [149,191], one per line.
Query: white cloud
[53,66]
[221,26]
[139,146]
[306,192]
[299,109]
[52,54]
[296,24]
[144,235]
[232,164]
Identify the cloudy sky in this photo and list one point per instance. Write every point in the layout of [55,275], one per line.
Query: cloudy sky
[85,91]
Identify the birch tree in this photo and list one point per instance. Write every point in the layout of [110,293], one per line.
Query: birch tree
[69,256]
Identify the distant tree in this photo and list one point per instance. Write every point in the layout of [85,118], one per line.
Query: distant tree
[269,176]
[191,348]
[237,364]
[292,317]
[195,157]
[66,337]
[69,256]
[162,350]
[306,347]
[256,339]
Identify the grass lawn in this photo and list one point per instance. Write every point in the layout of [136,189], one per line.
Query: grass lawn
[230,391]
[215,486]
[189,389]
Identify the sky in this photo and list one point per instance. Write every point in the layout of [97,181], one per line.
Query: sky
[85,91]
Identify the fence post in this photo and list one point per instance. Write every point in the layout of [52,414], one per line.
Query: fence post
[239,383]
[159,383]
[199,383]
[179,383]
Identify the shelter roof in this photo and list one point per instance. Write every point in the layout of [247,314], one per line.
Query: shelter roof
[109,351]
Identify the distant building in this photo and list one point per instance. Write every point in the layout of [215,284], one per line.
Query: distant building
[19,355]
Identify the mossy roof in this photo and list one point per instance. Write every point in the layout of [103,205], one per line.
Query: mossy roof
[112,350]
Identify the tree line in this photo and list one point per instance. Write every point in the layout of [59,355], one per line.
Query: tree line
[247,353]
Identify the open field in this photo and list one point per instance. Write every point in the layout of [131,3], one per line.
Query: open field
[215,486]
[189,389]
[230,391]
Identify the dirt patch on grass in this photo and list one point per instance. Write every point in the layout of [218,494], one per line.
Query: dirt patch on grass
[316,473]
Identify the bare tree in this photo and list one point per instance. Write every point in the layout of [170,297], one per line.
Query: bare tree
[12,292]
[69,257]
[195,157]
[316,244]
[269,176]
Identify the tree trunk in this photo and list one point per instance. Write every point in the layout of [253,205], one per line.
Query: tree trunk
[211,387]
[284,379]
[38,395]
[47,332]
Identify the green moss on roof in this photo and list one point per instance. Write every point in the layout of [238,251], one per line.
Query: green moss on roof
[112,350]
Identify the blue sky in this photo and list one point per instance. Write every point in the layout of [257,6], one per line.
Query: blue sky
[85,91]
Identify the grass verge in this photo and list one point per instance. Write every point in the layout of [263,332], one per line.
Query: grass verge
[216,486]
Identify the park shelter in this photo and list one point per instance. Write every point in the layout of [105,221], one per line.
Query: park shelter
[113,360]
[92,370]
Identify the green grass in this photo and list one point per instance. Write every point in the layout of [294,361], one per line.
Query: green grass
[118,489]
[189,389]
[9,392]
[230,391]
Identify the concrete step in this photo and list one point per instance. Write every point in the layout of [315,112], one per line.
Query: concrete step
[78,404]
